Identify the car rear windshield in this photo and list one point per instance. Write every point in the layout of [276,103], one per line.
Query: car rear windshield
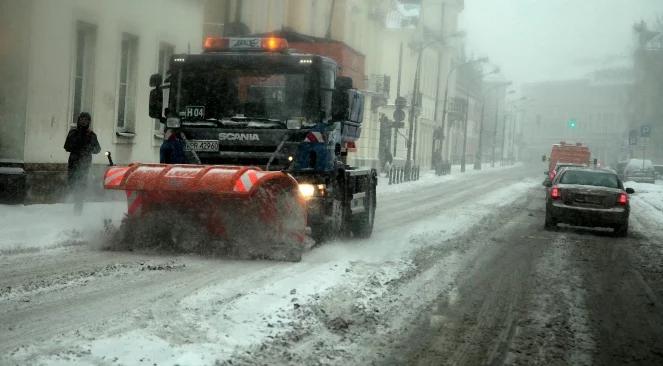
[586,178]
[562,166]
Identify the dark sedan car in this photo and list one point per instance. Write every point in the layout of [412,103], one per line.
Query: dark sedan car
[588,197]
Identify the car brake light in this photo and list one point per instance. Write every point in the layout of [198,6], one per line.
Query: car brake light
[554,193]
[623,199]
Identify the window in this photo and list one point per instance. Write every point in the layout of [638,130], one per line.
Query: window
[586,178]
[86,36]
[126,102]
[166,52]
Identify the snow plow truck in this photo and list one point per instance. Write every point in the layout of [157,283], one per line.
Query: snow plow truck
[267,131]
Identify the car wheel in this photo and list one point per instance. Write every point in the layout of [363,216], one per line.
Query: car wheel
[550,223]
[621,230]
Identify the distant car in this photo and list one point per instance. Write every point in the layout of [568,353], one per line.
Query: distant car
[640,171]
[659,171]
[620,168]
[588,197]
[558,168]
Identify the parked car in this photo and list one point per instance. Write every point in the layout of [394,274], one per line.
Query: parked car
[620,168]
[641,171]
[659,171]
[588,197]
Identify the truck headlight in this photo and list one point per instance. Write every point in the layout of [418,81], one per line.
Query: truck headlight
[307,190]
[294,124]
[173,122]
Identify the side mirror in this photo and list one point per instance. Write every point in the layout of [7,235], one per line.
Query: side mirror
[356,105]
[156,80]
[156,104]
[341,99]
[630,190]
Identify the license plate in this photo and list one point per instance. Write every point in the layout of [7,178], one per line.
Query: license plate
[194,112]
[589,199]
[202,145]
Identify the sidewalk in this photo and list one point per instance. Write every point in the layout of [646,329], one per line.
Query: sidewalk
[648,198]
[35,227]
[429,178]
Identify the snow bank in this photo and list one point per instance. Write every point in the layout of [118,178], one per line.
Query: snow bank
[648,199]
[35,227]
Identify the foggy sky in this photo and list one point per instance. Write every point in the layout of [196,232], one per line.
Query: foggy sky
[535,40]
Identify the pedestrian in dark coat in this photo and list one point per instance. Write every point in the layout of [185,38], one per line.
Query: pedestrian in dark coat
[172,148]
[81,144]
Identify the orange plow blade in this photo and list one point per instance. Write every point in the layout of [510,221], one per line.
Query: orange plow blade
[260,211]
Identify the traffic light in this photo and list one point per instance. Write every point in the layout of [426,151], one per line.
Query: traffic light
[572,123]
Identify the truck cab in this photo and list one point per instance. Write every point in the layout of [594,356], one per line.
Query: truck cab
[255,102]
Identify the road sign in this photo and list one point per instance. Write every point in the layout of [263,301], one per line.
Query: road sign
[401,102]
[645,130]
[399,115]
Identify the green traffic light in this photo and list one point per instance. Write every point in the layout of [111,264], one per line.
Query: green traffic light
[572,123]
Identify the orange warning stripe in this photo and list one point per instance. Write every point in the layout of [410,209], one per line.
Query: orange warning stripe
[247,180]
[114,176]
[134,203]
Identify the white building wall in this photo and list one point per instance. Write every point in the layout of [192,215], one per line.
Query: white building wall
[51,64]
[14,53]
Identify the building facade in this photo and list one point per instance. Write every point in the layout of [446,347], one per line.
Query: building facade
[592,111]
[645,107]
[58,58]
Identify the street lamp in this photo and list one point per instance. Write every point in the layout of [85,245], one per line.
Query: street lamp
[411,140]
[512,103]
[446,90]
[514,120]
[467,110]
[497,121]
[479,156]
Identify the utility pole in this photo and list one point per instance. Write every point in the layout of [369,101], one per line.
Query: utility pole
[467,112]
[436,154]
[503,139]
[492,162]
[446,89]
[514,121]
[479,157]
[328,34]
[398,93]
[415,92]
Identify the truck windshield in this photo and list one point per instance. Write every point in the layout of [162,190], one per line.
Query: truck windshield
[216,90]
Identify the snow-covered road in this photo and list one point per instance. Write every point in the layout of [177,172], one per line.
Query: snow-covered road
[458,271]
[64,300]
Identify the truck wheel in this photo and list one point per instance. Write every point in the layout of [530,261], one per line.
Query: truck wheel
[319,233]
[550,222]
[362,224]
[621,230]
[336,227]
